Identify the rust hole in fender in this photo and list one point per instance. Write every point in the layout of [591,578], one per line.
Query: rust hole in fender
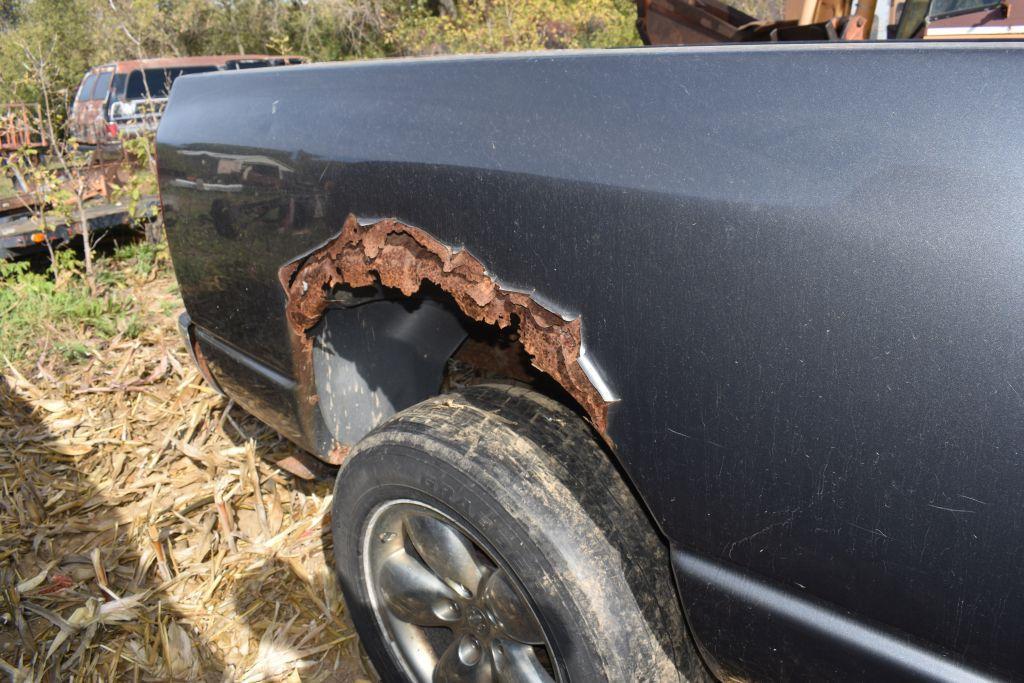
[403,257]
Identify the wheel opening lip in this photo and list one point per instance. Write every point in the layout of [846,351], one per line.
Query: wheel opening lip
[385,620]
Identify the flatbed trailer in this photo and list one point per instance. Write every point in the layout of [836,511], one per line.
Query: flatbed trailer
[24,235]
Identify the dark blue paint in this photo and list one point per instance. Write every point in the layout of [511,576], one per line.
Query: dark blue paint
[800,267]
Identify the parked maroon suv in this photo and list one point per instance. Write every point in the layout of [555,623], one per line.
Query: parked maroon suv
[128,98]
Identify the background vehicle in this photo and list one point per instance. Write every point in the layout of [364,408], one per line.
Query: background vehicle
[794,338]
[128,97]
[678,22]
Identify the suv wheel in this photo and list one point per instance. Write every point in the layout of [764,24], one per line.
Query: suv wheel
[484,536]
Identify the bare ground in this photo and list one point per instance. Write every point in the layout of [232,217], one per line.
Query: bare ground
[142,535]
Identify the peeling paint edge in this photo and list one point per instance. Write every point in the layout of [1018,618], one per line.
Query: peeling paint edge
[595,376]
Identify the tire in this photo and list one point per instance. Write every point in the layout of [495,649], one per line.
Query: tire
[540,512]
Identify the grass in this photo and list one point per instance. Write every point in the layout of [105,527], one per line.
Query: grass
[57,302]
[141,257]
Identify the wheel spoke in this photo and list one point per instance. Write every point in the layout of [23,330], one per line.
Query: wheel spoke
[426,571]
[515,617]
[446,551]
[465,661]
[518,663]
[413,594]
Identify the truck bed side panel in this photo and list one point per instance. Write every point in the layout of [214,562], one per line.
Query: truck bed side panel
[798,267]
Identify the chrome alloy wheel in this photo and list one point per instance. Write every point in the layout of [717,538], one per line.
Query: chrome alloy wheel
[448,610]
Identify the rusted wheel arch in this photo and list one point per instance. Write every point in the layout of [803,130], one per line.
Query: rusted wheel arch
[404,257]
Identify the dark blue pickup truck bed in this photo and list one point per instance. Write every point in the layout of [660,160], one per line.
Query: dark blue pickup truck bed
[799,274]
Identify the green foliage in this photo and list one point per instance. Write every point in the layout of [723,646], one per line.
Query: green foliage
[50,44]
[72,351]
[141,183]
[33,303]
[510,25]
[56,41]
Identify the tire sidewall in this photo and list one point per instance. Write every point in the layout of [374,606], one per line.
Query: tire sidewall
[500,513]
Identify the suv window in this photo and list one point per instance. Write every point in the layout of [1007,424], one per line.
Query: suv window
[117,85]
[85,90]
[238,64]
[253,63]
[102,88]
[157,82]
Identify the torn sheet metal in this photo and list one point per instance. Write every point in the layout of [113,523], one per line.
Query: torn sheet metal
[403,257]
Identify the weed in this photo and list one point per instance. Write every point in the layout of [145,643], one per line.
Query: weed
[130,326]
[57,303]
[72,352]
[169,308]
[141,256]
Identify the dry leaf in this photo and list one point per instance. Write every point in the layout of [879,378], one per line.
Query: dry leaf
[243,589]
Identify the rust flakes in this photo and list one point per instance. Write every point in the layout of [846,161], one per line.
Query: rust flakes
[338,453]
[403,257]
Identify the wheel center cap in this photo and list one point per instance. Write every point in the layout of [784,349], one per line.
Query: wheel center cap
[478,621]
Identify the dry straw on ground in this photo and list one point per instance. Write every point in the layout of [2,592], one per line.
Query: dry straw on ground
[143,537]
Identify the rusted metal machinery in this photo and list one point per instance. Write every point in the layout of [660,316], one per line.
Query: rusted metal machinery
[676,22]
[957,20]
[19,132]
[21,210]
[19,129]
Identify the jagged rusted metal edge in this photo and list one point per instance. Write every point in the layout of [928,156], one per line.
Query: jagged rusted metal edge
[403,257]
